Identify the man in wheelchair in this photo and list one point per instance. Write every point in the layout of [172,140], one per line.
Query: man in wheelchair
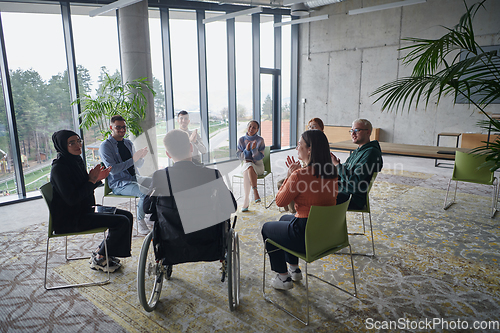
[191,206]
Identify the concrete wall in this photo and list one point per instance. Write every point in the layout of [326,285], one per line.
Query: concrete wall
[345,58]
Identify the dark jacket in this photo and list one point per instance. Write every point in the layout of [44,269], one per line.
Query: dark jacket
[73,194]
[171,243]
[355,174]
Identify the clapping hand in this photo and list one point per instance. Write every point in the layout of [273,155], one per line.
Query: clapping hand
[292,165]
[98,173]
[251,145]
[194,136]
[140,154]
[335,159]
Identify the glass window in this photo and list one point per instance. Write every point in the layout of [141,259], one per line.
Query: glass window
[243,29]
[266,109]
[218,110]
[158,83]
[40,91]
[266,41]
[7,173]
[286,66]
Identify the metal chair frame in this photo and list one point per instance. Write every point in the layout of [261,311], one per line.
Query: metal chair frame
[470,165]
[108,192]
[267,172]
[367,210]
[47,193]
[309,257]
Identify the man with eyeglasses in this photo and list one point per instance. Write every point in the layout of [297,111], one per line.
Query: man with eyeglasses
[119,153]
[357,171]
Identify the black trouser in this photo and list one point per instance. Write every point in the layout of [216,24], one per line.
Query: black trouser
[290,232]
[119,240]
[342,197]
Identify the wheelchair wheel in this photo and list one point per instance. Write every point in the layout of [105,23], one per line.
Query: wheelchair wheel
[149,275]
[233,269]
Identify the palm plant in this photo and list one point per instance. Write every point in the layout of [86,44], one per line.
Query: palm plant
[475,78]
[114,97]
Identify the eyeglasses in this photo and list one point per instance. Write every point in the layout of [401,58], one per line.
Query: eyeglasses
[77,142]
[121,127]
[356,130]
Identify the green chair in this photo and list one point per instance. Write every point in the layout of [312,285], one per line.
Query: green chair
[326,233]
[468,168]
[366,209]
[108,193]
[267,172]
[47,194]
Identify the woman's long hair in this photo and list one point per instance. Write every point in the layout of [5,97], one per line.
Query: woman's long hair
[321,160]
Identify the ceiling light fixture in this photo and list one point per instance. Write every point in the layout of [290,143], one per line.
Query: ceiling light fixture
[385,6]
[233,15]
[112,6]
[299,9]
[304,20]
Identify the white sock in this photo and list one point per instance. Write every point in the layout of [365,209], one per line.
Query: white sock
[283,277]
[293,267]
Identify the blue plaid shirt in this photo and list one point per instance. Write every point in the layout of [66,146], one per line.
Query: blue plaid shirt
[119,176]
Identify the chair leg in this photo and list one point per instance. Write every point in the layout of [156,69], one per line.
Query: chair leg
[446,206]
[274,195]
[371,230]
[276,304]
[89,284]
[495,199]
[232,186]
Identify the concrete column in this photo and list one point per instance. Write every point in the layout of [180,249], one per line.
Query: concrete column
[135,53]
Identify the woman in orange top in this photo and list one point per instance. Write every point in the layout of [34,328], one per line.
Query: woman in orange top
[313,185]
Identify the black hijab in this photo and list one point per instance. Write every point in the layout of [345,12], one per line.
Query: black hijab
[60,140]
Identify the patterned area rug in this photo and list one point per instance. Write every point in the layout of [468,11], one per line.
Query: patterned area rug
[430,265]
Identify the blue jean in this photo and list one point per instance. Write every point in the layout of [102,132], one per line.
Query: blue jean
[290,232]
[136,190]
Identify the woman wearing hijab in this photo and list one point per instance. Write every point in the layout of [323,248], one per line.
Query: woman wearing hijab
[73,202]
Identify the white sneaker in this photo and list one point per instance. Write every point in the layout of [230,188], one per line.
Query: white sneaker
[143,228]
[277,283]
[296,274]
[147,219]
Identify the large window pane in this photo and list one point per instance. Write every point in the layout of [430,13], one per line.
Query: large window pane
[267,41]
[218,110]
[243,29]
[7,173]
[157,66]
[286,53]
[97,53]
[266,109]
[40,90]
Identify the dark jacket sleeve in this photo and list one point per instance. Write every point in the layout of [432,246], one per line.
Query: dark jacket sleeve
[72,193]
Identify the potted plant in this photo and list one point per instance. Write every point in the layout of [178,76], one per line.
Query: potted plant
[127,99]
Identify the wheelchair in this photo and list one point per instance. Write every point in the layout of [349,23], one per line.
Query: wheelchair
[152,272]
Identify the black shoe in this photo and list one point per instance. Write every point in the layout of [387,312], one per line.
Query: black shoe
[100,264]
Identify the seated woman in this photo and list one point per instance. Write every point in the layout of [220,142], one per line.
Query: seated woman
[316,124]
[313,185]
[73,203]
[313,124]
[251,152]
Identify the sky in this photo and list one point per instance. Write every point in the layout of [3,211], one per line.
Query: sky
[42,49]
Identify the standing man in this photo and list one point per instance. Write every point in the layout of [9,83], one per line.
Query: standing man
[357,171]
[120,154]
[195,139]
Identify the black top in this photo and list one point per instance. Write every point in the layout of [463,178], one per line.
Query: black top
[73,193]
[125,155]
